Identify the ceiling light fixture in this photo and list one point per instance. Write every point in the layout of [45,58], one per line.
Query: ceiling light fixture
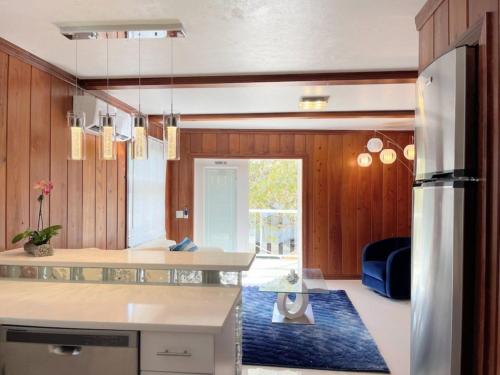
[76,124]
[139,125]
[154,30]
[107,124]
[171,131]
[313,103]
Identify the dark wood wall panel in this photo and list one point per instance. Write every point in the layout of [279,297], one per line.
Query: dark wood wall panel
[18,148]
[344,206]
[39,139]
[89,198]
[4,71]
[100,201]
[58,160]
[89,194]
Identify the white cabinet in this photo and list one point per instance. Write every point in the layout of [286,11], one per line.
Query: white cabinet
[177,352]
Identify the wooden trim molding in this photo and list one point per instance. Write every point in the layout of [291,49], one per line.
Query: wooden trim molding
[35,61]
[335,78]
[27,57]
[402,114]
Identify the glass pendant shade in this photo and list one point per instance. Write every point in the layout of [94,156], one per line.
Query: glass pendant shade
[388,156]
[139,137]
[409,152]
[76,125]
[375,145]
[107,134]
[171,136]
[364,159]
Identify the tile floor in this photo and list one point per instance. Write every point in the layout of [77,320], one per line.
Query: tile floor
[388,322]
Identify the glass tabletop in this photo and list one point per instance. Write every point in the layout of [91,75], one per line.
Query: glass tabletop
[307,281]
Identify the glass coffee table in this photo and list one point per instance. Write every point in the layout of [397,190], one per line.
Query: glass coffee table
[298,311]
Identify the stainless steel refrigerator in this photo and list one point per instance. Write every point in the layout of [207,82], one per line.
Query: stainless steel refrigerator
[444,216]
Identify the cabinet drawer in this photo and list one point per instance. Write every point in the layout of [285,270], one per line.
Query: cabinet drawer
[177,352]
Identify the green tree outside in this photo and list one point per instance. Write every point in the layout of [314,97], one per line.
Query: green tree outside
[273,184]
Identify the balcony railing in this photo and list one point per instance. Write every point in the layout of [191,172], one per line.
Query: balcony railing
[273,232]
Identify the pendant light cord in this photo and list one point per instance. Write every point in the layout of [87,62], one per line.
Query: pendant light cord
[171,76]
[76,67]
[107,70]
[139,74]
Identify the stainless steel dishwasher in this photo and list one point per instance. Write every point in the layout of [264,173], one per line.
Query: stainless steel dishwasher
[57,351]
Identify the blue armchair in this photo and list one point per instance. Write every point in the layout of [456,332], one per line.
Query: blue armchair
[386,267]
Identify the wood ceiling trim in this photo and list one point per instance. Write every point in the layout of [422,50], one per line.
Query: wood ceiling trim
[339,78]
[27,57]
[400,114]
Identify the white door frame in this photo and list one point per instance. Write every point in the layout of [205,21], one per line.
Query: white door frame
[241,167]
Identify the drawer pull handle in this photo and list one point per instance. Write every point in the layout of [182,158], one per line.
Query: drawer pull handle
[168,353]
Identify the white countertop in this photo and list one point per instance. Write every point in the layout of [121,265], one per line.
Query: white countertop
[121,307]
[139,258]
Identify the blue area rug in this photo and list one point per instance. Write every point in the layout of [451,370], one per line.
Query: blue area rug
[338,341]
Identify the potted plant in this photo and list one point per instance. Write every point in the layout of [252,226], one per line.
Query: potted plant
[39,239]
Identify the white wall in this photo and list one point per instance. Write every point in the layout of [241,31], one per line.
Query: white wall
[146,196]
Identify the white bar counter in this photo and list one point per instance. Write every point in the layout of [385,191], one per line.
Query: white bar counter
[189,309]
[153,259]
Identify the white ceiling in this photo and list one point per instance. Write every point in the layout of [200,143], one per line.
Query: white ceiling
[270,98]
[232,37]
[225,36]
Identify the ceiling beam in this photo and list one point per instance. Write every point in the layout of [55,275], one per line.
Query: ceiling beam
[400,114]
[345,78]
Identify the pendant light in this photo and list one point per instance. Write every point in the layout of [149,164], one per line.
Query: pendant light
[76,123]
[107,124]
[171,131]
[139,125]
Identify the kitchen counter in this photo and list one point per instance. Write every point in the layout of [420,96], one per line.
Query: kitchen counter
[121,307]
[153,259]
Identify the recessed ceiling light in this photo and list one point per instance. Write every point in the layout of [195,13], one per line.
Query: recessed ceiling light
[308,103]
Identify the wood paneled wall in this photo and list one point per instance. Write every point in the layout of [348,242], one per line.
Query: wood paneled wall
[442,25]
[344,206]
[89,197]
